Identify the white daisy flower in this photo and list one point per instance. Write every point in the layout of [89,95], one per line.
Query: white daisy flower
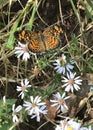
[71,82]
[68,125]
[60,101]
[41,110]
[23,88]
[22,51]
[35,107]
[86,128]
[62,66]
[71,125]
[74,125]
[15,112]
[37,115]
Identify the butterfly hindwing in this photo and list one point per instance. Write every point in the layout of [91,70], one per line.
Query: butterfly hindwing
[36,45]
[52,37]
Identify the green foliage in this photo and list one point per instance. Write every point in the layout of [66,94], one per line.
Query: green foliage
[43,63]
[57,79]
[3,3]
[76,11]
[88,6]
[89,67]
[10,43]
[74,47]
[5,117]
[31,20]
[6,125]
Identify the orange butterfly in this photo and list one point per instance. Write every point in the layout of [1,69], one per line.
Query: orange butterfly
[41,41]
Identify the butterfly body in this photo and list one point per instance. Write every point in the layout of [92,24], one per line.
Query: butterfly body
[41,41]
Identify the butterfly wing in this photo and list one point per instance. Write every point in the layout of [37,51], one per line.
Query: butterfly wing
[36,44]
[51,42]
[52,37]
[23,36]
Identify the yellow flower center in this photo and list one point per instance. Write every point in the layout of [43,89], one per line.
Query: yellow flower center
[62,61]
[69,128]
[60,101]
[71,81]
[34,105]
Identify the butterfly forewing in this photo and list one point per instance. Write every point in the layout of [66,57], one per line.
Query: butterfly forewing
[24,36]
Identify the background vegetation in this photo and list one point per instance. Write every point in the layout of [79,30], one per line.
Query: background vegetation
[76,19]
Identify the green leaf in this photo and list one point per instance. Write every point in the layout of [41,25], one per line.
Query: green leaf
[11,101]
[75,10]
[3,3]
[6,126]
[88,9]
[29,25]
[10,43]
[11,40]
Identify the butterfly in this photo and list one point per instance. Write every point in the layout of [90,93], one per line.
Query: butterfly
[41,41]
